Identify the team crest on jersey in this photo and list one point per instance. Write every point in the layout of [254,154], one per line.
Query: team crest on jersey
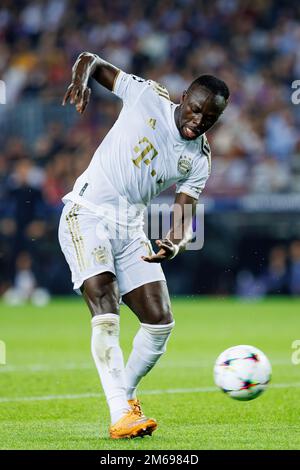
[100,254]
[184,165]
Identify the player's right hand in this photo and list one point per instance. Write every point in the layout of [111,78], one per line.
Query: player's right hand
[166,251]
[79,95]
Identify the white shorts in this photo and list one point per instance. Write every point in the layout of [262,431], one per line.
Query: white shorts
[90,248]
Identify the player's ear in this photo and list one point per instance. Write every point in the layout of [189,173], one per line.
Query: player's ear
[183,96]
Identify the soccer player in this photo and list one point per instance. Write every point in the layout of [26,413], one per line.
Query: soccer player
[153,144]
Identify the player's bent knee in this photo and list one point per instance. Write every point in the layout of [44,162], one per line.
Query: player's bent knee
[164,317]
[157,315]
[161,313]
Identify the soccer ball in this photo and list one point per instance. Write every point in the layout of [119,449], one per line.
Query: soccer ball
[242,372]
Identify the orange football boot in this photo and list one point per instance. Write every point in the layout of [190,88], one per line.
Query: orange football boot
[135,405]
[133,424]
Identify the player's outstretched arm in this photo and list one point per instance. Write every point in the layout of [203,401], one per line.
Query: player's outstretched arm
[86,66]
[181,230]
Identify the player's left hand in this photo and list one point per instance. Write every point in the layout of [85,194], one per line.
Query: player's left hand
[166,251]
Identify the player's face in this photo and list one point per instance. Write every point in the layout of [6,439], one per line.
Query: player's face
[199,110]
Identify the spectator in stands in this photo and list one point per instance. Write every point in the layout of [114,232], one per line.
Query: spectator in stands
[275,278]
[294,277]
[253,45]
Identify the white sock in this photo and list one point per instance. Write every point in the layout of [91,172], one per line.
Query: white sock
[148,346]
[108,358]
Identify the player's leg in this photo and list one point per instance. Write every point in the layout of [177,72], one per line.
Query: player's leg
[102,297]
[92,266]
[91,262]
[151,303]
[101,294]
[143,288]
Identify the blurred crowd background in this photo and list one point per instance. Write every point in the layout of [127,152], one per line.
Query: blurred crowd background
[252,232]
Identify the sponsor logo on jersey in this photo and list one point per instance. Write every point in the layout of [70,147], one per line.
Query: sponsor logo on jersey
[152,122]
[184,165]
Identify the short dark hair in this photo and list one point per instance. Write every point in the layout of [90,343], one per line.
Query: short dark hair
[214,84]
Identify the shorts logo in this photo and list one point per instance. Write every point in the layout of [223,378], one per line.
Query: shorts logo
[184,165]
[100,254]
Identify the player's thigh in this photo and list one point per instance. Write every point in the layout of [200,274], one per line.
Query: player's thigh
[101,293]
[150,302]
[142,285]
[88,251]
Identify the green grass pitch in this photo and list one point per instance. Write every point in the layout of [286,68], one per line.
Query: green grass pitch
[50,395]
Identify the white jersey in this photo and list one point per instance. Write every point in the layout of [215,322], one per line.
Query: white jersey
[142,154]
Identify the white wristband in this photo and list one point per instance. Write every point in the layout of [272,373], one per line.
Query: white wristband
[176,247]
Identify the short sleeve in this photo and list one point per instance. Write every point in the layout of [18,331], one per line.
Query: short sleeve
[128,87]
[194,183]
